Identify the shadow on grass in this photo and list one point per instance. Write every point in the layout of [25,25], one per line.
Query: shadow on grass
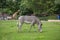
[32,32]
[22,32]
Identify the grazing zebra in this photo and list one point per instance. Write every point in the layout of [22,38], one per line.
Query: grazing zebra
[29,19]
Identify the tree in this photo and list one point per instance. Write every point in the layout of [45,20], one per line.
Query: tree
[37,6]
[57,2]
[9,6]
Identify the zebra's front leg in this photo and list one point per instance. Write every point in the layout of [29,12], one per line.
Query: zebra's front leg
[40,27]
[19,27]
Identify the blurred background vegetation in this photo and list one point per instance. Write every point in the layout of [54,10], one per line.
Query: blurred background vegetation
[41,8]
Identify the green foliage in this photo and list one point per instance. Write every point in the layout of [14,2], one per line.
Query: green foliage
[37,6]
[9,6]
[57,1]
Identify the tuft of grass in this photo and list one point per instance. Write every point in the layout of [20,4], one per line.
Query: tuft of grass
[8,31]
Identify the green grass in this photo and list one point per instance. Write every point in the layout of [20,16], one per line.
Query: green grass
[8,31]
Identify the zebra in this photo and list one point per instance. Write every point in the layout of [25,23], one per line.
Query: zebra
[29,19]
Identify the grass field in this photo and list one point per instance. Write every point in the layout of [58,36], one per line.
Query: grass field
[8,31]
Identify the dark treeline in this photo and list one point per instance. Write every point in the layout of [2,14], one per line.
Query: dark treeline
[29,6]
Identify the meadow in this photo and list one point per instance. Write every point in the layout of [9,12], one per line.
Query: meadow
[8,31]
